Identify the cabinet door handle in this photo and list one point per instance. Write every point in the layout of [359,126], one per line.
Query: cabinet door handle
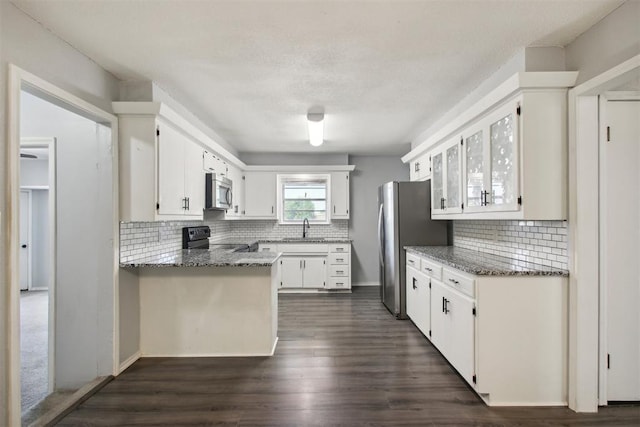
[446,306]
[414,283]
[304,263]
[271,209]
[411,262]
[334,208]
[188,203]
[443,304]
[300,262]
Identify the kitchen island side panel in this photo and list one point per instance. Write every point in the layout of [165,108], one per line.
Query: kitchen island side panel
[207,311]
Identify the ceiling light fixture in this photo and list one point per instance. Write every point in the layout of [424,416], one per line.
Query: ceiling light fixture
[316,128]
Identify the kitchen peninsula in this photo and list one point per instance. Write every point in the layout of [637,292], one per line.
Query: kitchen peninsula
[201,302]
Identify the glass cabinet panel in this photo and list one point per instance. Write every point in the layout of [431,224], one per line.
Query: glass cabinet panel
[437,182]
[503,170]
[453,176]
[475,169]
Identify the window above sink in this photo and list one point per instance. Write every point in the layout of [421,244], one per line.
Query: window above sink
[303,196]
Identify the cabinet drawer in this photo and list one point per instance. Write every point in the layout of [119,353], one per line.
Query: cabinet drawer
[413,261]
[339,270]
[340,247]
[304,248]
[339,283]
[338,258]
[432,269]
[457,281]
[267,248]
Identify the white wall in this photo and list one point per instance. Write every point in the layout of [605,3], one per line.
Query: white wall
[84,232]
[610,42]
[34,172]
[370,173]
[28,45]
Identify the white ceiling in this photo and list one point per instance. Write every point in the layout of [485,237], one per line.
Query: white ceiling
[382,70]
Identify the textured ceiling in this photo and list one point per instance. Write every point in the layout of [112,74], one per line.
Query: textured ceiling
[382,70]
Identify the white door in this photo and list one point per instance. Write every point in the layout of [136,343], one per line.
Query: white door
[171,172]
[25,247]
[620,233]
[459,313]
[423,305]
[411,292]
[314,272]
[439,326]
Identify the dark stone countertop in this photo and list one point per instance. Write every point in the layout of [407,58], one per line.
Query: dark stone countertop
[205,258]
[483,264]
[307,240]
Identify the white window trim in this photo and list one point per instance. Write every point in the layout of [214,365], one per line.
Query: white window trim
[311,176]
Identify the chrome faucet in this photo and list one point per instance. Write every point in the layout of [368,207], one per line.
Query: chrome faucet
[305,227]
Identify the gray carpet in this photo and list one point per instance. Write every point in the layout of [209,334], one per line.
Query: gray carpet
[34,320]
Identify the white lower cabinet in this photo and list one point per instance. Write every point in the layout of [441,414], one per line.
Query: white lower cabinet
[308,265]
[453,327]
[418,300]
[505,335]
[303,272]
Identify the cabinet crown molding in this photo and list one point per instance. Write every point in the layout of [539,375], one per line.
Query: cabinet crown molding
[518,82]
[165,112]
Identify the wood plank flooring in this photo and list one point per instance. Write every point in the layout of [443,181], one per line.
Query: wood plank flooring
[341,360]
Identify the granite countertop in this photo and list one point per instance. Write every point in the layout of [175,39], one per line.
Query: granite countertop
[483,264]
[308,240]
[206,258]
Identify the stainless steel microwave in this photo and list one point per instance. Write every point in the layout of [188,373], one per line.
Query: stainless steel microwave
[218,192]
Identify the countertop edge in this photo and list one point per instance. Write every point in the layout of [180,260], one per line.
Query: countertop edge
[545,271]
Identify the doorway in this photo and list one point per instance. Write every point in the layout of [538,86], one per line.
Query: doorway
[83,326]
[37,269]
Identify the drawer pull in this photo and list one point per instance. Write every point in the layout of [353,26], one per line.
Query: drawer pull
[339,271]
[411,261]
[455,282]
[430,270]
[339,249]
[339,259]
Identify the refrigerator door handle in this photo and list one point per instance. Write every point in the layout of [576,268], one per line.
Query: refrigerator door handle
[380,235]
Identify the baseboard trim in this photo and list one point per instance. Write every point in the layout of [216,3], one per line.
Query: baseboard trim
[55,415]
[130,361]
[365,284]
[273,349]
[38,289]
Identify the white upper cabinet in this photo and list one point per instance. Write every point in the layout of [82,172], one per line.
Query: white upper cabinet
[235,174]
[511,155]
[260,195]
[445,179]
[420,168]
[162,163]
[340,195]
[214,164]
[491,161]
[180,175]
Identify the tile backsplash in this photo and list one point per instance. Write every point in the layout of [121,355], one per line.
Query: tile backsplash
[144,239]
[540,242]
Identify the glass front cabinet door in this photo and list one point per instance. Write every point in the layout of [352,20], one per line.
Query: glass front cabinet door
[490,162]
[446,168]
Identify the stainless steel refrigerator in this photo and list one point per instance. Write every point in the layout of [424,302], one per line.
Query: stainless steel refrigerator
[404,219]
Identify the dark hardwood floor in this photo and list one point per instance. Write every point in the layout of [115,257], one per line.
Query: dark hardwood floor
[341,360]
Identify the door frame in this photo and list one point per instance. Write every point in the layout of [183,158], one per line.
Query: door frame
[585,314]
[19,79]
[29,234]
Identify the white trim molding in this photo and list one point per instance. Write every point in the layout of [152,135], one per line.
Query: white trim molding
[585,365]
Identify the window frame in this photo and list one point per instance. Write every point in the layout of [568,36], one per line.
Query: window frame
[282,179]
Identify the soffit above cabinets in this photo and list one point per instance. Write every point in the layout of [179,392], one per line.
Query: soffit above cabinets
[382,71]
